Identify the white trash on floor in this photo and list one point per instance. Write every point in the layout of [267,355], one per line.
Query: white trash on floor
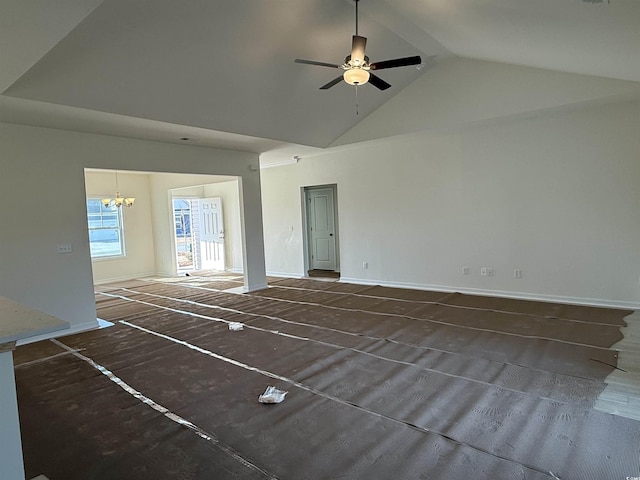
[272,395]
[235,326]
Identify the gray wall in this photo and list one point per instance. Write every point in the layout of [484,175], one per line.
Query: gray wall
[42,194]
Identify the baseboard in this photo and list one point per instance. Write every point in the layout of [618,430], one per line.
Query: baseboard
[244,289]
[104,323]
[283,275]
[83,327]
[593,302]
[240,271]
[129,277]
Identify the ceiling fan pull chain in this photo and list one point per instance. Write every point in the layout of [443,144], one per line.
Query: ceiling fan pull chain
[357,112]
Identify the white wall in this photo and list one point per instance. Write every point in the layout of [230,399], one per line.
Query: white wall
[555,195]
[11,451]
[139,258]
[162,213]
[44,170]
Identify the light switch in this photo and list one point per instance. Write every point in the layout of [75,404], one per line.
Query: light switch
[65,248]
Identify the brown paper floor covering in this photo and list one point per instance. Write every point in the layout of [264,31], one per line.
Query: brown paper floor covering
[383,383]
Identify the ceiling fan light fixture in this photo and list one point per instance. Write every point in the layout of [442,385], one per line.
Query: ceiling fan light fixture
[356,76]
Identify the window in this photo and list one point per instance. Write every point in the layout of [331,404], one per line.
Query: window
[105,229]
[182,217]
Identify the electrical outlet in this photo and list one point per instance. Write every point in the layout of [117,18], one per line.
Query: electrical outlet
[483,271]
[517,273]
[466,271]
[365,265]
[489,271]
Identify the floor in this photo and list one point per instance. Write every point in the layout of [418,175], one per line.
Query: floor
[329,274]
[382,383]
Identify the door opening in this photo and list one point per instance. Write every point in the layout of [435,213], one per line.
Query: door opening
[322,252]
[186,255]
[199,234]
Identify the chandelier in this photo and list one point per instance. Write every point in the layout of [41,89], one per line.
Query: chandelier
[119,200]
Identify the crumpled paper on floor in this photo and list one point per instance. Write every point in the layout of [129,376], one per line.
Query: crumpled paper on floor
[272,395]
[235,326]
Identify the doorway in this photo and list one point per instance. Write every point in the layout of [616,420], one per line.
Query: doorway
[199,234]
[322,252]
[184,234]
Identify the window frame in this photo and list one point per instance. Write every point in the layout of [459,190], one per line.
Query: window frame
[119,228]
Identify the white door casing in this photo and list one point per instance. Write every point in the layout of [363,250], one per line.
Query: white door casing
[211,234]
[321,234]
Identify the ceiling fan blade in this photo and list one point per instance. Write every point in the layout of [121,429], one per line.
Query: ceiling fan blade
[333,82]
[397,62]
[320,64]
[358,45]
[378,82]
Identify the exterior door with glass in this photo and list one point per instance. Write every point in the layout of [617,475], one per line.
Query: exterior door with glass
[211,234]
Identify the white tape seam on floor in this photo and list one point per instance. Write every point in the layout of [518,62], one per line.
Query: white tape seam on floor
[325,395]
[163,410]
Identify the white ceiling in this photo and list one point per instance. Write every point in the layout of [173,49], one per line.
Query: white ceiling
[577,36]
[222,73]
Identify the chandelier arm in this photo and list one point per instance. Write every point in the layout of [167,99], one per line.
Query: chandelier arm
[119,200]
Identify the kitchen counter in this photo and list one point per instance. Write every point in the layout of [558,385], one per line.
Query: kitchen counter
[17,322]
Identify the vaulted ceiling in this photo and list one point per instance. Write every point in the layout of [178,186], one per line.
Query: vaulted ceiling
[222,72]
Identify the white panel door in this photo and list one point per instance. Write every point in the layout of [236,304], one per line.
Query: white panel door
[211,234]
[322,240]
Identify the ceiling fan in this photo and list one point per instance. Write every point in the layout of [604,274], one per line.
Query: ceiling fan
[357,69]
